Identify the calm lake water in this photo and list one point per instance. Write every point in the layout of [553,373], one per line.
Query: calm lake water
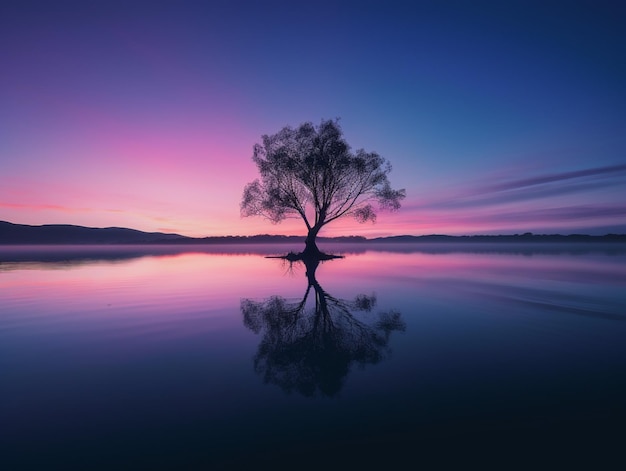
[220,358]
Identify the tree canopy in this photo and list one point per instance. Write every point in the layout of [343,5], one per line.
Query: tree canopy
[310,172]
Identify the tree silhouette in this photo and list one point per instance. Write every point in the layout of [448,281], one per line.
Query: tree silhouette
[310,349]
[311,173]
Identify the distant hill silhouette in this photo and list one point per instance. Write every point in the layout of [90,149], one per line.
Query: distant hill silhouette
[14,234]
[68,234]
[527,237]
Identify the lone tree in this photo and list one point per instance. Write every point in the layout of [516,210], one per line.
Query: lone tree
[310,172]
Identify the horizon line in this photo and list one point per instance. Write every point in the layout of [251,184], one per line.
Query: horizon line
[351,236]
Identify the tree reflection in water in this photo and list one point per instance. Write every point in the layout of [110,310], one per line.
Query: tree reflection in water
[309,347]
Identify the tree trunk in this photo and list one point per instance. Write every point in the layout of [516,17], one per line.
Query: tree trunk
[310,247]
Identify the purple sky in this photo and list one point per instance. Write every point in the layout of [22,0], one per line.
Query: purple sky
[498,117]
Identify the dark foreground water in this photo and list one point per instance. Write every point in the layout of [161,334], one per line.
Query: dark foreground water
[407,357]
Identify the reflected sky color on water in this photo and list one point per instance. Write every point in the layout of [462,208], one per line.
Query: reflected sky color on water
[195,357]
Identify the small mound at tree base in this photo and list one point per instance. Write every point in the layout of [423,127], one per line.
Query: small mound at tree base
[306,257]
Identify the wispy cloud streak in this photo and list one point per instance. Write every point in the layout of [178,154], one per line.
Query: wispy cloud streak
[555,177]
[541,187]
[44,207]
[563,214]
[586,200]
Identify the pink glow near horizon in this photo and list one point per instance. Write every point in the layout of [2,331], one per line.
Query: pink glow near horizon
[159,177]
[145,190]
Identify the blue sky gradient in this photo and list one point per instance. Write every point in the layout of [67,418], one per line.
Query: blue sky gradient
[498,117]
